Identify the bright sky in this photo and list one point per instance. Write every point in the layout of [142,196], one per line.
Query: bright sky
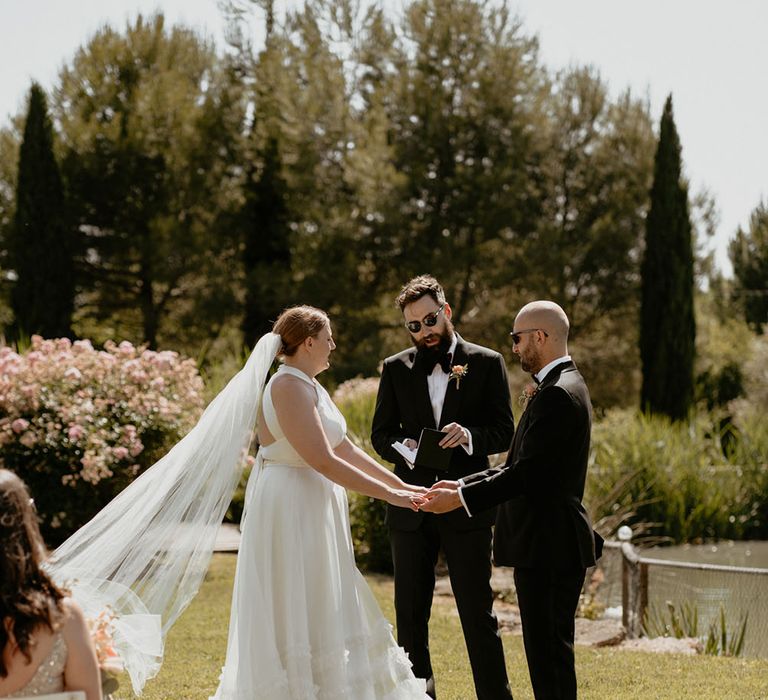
[711,55]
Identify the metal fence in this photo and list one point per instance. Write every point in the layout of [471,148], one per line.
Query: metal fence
[634,585]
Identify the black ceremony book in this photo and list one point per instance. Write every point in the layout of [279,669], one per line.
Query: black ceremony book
[429,453]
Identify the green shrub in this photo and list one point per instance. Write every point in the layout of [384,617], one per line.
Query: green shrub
[356,399]
[671,481]
[684,622]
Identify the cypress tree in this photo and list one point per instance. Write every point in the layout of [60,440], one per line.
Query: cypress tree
[667,324]
[40,243]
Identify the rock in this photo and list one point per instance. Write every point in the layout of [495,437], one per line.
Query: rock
[599,633]
[443,586]
[666,645]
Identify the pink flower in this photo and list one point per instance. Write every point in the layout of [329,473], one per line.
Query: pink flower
[75,432]
[73,373]
[19,425]
[119,452]
[136,449]
[28,439]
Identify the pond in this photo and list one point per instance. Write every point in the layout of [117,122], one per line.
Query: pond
[739,594]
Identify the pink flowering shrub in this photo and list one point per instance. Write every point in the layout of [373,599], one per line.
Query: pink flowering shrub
[78,424]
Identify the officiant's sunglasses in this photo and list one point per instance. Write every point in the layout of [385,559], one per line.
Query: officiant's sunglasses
[429,320]
[516,334]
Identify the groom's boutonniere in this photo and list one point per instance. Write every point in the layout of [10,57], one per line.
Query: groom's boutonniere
[529,391]
[458,372]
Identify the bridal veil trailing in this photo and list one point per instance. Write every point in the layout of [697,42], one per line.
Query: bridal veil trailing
[145,554]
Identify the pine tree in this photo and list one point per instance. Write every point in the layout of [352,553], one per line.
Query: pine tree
[266,254]
[667,324]
[749,255]
[41,244]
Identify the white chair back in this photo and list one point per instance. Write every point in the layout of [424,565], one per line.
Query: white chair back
[68,695]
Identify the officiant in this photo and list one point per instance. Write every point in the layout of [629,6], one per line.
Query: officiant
[446,383]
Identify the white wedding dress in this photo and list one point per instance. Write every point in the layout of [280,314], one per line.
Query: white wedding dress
[304,624]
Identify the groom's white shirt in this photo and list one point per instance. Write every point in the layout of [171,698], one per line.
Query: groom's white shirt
[539,376]
[546,369]
[437,383]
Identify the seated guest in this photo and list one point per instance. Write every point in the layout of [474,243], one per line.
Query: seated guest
[45,642]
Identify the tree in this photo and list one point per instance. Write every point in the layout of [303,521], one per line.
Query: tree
[584,251]
[667,324]
[40,242]
[748,252]
[151,123]
[466,116]
[10,142]
[267,252]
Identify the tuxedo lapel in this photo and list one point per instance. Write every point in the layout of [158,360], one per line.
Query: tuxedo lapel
[554,374]
[551,378]
[455,390]
[420,391]
[516,439]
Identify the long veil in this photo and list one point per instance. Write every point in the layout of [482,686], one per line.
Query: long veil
[143,557]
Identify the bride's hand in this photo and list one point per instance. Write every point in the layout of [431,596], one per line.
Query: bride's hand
[413,488]
[406,498]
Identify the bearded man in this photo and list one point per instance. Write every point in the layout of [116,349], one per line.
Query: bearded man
[444,383]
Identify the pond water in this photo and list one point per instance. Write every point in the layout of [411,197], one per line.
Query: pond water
[727,553]
[738,594]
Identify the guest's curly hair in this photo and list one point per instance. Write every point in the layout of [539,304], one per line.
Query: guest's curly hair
[29,598]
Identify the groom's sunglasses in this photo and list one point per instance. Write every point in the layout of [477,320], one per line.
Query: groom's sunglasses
[429,320]
[516,334]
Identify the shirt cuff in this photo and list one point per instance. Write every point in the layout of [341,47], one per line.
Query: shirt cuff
[468,446]
[461,498]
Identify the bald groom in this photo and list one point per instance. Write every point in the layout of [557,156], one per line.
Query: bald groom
[542,528]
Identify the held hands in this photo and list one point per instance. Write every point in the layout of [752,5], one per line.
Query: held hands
[408,496]
[442,497]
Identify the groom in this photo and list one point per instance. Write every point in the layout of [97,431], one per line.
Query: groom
[542,528]
[460,388]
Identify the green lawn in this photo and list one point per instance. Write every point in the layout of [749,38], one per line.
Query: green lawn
[196,646]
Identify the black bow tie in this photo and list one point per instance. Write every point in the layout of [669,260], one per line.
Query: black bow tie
[427,361]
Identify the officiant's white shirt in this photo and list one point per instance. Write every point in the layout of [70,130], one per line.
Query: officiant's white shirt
[437,384]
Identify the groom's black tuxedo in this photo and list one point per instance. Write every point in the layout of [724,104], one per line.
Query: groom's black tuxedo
[481,404]
[542,528]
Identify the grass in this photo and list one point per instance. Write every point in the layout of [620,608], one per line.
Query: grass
[196,646]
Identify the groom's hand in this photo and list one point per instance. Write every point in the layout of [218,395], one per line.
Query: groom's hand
[441,500]
[455,435]
[446,484]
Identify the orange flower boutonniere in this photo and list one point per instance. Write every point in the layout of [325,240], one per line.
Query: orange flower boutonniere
[529,391]
[458,372]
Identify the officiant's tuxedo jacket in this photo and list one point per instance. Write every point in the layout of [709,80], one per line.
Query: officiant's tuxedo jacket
[480,402]
[541,521]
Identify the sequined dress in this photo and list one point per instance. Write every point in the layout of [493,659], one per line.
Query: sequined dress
[49,677]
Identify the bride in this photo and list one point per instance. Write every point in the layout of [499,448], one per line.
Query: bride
[304,624]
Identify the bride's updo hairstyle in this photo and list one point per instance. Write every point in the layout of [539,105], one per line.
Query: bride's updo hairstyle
[296,324]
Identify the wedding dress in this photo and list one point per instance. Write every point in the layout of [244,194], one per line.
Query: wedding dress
[304,624]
